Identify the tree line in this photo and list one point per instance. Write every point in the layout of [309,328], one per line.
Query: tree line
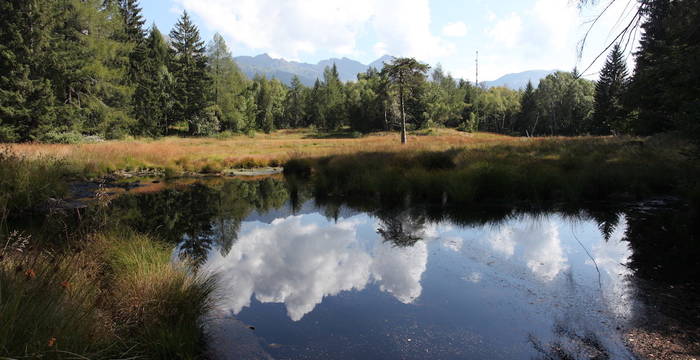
[72,68]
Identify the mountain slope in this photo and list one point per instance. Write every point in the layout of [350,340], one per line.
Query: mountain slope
[519,80]
[284,70]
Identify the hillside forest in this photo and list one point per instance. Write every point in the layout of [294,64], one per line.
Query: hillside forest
[71,70]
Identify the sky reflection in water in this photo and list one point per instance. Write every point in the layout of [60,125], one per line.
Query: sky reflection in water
[482,291]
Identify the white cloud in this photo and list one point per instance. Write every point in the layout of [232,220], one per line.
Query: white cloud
[455,29]
[293,27]
[299,260]
[507,31]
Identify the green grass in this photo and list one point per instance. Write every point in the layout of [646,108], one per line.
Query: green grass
[161,304]
[120,296]
[26,183]
[574,170]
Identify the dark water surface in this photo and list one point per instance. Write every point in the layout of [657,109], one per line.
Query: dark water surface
[303,277]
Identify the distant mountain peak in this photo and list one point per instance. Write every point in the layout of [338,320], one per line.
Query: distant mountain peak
[284,70]
[519,80]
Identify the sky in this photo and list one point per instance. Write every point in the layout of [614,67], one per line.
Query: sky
[510,35]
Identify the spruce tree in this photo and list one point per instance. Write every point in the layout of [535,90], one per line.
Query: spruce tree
[133,21]
[294,104]
[26,101]
[336,110]
[527,118]
[316,106]
[610,115]
[192,84]
[152,100]
[651,76]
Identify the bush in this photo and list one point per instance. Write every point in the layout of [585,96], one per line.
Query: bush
[70,137]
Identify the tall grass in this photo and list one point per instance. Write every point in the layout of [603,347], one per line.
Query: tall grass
[48,305]
[214,154]
[121,296]
[586,169]
[27,182]
[161,304]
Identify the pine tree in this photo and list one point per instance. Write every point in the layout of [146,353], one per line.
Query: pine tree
[650,75]
[294,104]
[316,106]
[527,118]
[133,21]
[192,84]
[153,99]
[336,111]
[407,75]
[263,101]
[26,99]
[610,115]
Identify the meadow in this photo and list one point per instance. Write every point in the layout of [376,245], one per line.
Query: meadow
[212,155]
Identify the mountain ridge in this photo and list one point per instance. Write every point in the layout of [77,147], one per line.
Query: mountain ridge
[285,70]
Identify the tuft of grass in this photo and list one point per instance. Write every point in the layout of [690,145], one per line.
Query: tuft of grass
[25,182]
[161,304]
[121,296]
[48,305]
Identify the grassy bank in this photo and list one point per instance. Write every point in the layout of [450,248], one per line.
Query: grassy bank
[213,155]
[543,170]
[118,296]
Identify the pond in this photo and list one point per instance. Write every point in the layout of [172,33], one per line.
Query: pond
[311,277]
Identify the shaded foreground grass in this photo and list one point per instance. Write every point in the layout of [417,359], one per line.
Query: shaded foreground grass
[119,296]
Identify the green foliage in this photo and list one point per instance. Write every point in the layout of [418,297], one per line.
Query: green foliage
[229,85]
[192,84]
[408,76]
[153,98]
[610,113]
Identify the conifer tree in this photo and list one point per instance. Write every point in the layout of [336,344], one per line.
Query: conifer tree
[26,99]
[610,115]
[527,118]
[153,99]
[133,21]
[228,84]
[294,104]
[315,106]
[407,75]
[192,84]
[336,110]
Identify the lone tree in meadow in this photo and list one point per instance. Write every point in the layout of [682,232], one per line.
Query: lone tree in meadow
[406,74]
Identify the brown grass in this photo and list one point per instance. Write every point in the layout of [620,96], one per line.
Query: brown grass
[212,155]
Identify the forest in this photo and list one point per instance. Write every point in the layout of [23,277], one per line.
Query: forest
[76,70]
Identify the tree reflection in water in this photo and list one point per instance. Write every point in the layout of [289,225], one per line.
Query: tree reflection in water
[401,228]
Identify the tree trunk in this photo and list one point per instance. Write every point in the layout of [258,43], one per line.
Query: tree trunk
[404,138]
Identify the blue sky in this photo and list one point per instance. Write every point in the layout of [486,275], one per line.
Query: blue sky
[510,35]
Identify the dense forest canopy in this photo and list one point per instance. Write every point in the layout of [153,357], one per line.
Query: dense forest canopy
[76,68]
